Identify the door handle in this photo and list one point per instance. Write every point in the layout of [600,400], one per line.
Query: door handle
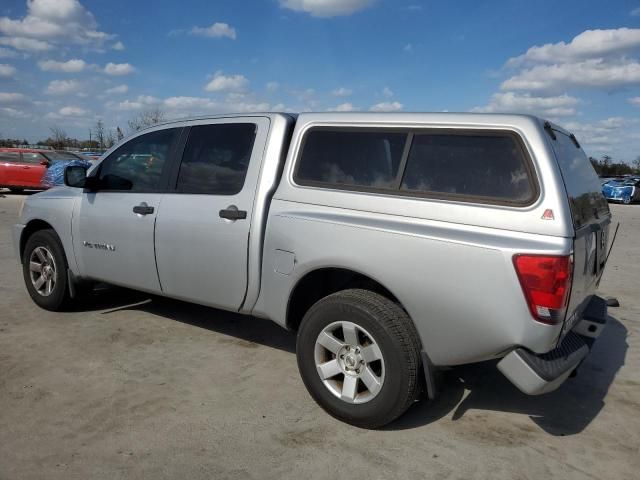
[143,209]
[232,213]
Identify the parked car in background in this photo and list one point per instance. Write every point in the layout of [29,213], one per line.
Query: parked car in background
[23,168]
[625,190]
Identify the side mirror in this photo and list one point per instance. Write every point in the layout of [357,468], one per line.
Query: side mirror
[44,162]
[75,176]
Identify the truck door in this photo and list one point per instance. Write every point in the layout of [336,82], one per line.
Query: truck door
[114,229]
[203,227]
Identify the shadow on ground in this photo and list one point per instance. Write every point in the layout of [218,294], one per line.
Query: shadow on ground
[567,411]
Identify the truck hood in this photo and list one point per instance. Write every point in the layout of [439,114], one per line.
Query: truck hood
[56,192]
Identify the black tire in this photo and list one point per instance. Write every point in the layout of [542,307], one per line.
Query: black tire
[16,190]
[399,343]
[59,296]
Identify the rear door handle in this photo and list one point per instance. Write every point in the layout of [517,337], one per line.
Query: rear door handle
[232,213]
[143,209]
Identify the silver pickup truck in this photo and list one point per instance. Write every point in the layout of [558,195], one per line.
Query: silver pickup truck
[395,245]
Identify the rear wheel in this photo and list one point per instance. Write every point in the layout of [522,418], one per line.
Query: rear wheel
[359,357]
[44,267]
[16,190]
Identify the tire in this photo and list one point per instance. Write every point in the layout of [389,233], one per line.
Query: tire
[44,248]
[16,190]
[378,321]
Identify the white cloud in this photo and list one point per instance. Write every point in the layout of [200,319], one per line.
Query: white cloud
[118,46]
[272,86]
[117,69]
[635,12]
[12,112]
[343,107]
[386,107]
[190,103]
[341,92]
[70,111]
[215,30]
[588,44]
[604,135]
[387,92]
[221,82]
[408,47]
[54,21]
[635,101]
[7,53]
[591,73]
[12,97]
[70,66]
[7,70]
[510,102]
[595,59]
[140,102]
[29,44]
[118,89]
[62,87]
[326,8]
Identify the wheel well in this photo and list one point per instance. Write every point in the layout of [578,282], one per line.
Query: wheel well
[320,283]
[32,227]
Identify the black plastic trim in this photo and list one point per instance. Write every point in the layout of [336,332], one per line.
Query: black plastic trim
[552,365]
[596,310]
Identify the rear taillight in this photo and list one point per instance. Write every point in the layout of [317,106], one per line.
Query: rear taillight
[546,282]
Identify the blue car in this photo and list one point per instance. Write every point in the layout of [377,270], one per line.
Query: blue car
[54,175]
[625,190]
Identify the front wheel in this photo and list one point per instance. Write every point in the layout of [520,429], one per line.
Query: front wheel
[44,267]
[359,357]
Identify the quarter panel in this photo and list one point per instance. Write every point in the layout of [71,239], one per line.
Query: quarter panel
[456,282]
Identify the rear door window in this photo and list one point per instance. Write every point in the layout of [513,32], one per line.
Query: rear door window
[10,157]
[486,167]
[581,181]
[351,158]
[216,158]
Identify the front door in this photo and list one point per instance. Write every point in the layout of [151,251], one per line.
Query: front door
[202,230]
[114,233]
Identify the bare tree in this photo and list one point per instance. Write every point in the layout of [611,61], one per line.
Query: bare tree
[636,164]
[98,129]
[119,134]
[110,139]
[59,137]
[146,119]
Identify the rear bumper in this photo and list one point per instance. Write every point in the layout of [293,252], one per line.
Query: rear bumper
[535,374]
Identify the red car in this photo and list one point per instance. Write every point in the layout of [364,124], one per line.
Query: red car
[22,168]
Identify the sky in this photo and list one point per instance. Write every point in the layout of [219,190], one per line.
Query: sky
[66,63]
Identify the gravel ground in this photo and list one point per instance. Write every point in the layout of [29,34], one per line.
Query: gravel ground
[139,387]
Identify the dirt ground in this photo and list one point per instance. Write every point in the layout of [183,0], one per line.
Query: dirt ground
[140,387]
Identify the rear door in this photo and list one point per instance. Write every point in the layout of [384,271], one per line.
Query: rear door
[591,219]
[203,227]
